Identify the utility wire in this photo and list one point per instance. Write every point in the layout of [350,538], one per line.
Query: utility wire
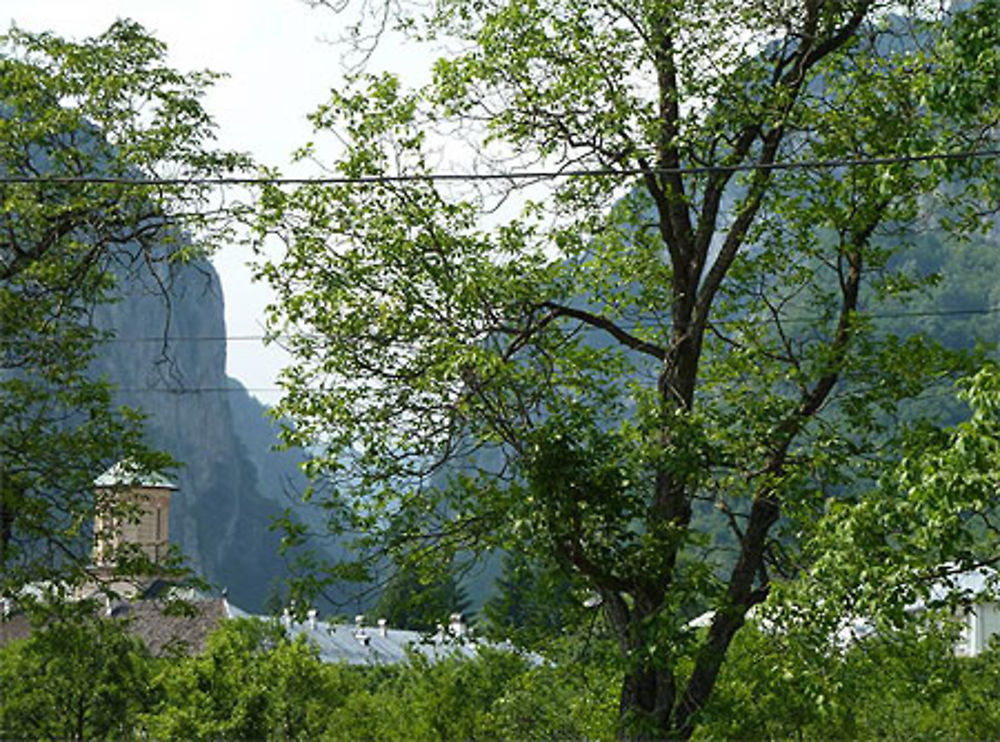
[185,391]
[170,339]
[197,390]
[473,177]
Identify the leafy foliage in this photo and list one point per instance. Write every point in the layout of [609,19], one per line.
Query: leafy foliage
[251,683]
[683,343]
[87,679]
[75,678]
[903,685]
[533,604]
[70,111]
[421,602]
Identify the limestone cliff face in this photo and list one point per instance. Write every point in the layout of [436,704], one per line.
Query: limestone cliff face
[168,358]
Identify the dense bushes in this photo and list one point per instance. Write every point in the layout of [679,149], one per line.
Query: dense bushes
[253,683]
[84,679]
[907,685]
[76,679]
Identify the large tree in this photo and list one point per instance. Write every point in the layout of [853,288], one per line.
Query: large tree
[669,373]
[80,124]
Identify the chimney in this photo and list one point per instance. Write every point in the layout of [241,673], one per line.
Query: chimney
[383,627]
[312,618]
[457,626]
[359,630]
[286,619]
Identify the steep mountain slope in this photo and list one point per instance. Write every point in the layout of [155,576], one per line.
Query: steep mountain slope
[168,359]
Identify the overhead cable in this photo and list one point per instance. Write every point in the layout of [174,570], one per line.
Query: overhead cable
[153,182]
[171,339]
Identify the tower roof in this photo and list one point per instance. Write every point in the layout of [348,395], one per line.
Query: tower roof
[128,473]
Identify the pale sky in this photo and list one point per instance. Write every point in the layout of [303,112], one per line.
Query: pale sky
[281,63]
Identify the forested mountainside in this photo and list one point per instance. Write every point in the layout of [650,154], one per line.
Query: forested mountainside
[168,358]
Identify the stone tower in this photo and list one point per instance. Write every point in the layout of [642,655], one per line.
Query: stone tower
[141,518]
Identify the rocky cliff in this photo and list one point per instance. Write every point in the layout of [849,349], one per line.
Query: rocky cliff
[168,358]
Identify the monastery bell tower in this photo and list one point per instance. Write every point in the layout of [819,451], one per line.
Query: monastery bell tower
[133,509]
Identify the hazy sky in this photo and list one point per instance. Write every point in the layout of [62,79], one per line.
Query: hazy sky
[281,63]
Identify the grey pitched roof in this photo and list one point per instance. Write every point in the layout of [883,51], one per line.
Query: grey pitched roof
[972,583]
[368,646]
[163,632]
[167,633]
[14,627]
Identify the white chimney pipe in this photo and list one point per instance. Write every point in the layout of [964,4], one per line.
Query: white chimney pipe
[383,627]
[456,625]
[359,630]
[312,618]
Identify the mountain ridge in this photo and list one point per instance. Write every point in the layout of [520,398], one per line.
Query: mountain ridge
[167,357]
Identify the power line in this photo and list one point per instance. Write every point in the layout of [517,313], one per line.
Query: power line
[181,391]
[257,338]
[474,177]
[187,391]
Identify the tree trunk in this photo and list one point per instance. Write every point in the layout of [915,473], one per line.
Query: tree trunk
[646,699]
[6,527]
[648,693]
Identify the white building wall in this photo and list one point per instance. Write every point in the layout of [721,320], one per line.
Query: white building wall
[989,619]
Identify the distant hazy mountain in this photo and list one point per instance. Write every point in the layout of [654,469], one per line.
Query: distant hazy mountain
[232,484]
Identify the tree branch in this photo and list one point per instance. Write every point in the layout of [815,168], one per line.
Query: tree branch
[603,323]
